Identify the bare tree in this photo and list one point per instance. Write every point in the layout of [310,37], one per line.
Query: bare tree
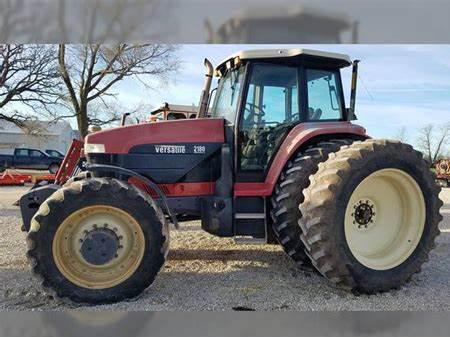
[112,113]
[402,135]
[89,73]
[28,81]
[433,140]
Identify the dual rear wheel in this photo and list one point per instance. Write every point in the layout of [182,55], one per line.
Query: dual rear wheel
[368,216]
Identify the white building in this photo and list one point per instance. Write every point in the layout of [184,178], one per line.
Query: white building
[43,135]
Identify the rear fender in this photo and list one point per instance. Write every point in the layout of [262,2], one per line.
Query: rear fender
[300,136]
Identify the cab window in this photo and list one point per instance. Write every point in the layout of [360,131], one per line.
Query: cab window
[22,152]
[228,93]
[36,154]
[271,109]
[324,98]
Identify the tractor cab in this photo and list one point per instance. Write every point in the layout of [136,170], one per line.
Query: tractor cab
[263,94]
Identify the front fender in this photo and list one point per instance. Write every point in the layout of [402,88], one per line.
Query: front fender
[31,201]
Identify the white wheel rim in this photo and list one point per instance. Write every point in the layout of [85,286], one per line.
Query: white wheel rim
[385,236]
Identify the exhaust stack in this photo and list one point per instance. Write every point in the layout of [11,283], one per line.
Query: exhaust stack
[204,98]
[351,111]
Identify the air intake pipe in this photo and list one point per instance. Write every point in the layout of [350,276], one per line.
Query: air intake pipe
[351,111]
[204,98]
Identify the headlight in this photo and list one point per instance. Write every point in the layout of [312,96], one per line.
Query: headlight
[94,148]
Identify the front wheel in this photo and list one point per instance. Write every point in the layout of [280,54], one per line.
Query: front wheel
[371,215]
[98,241]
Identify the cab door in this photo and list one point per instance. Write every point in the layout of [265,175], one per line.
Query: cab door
[22,158]
[269,110]
[38,160]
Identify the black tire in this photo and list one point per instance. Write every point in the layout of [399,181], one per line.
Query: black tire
[53,168]
[325,204]
[288,195]
[93,192]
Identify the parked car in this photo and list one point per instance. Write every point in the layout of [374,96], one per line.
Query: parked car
[30,159]
[54,153]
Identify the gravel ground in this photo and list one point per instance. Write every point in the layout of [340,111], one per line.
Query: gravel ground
[208,273]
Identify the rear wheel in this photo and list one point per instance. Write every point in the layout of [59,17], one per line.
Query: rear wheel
[98,241]
[289,194]
[371,215]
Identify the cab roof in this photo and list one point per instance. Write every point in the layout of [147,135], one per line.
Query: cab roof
[292,56]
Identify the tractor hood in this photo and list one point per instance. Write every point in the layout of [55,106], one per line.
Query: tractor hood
[167,152]
[123,140]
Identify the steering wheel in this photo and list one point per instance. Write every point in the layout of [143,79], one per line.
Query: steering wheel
[295,117]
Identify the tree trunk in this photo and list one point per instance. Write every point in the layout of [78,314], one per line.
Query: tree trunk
[82,120]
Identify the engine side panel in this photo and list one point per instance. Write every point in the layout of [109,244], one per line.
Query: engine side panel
[168,152]
[168,163]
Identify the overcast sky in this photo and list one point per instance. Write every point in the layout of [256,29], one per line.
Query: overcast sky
[399,85]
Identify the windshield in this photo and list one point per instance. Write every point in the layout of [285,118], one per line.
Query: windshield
[228,92]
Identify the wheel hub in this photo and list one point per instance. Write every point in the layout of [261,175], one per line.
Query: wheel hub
[100,246]
[364,213]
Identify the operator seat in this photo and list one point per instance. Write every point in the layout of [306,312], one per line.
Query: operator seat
[254,148]
[314,115]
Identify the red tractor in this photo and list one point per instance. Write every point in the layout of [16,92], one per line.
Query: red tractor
[274,159]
